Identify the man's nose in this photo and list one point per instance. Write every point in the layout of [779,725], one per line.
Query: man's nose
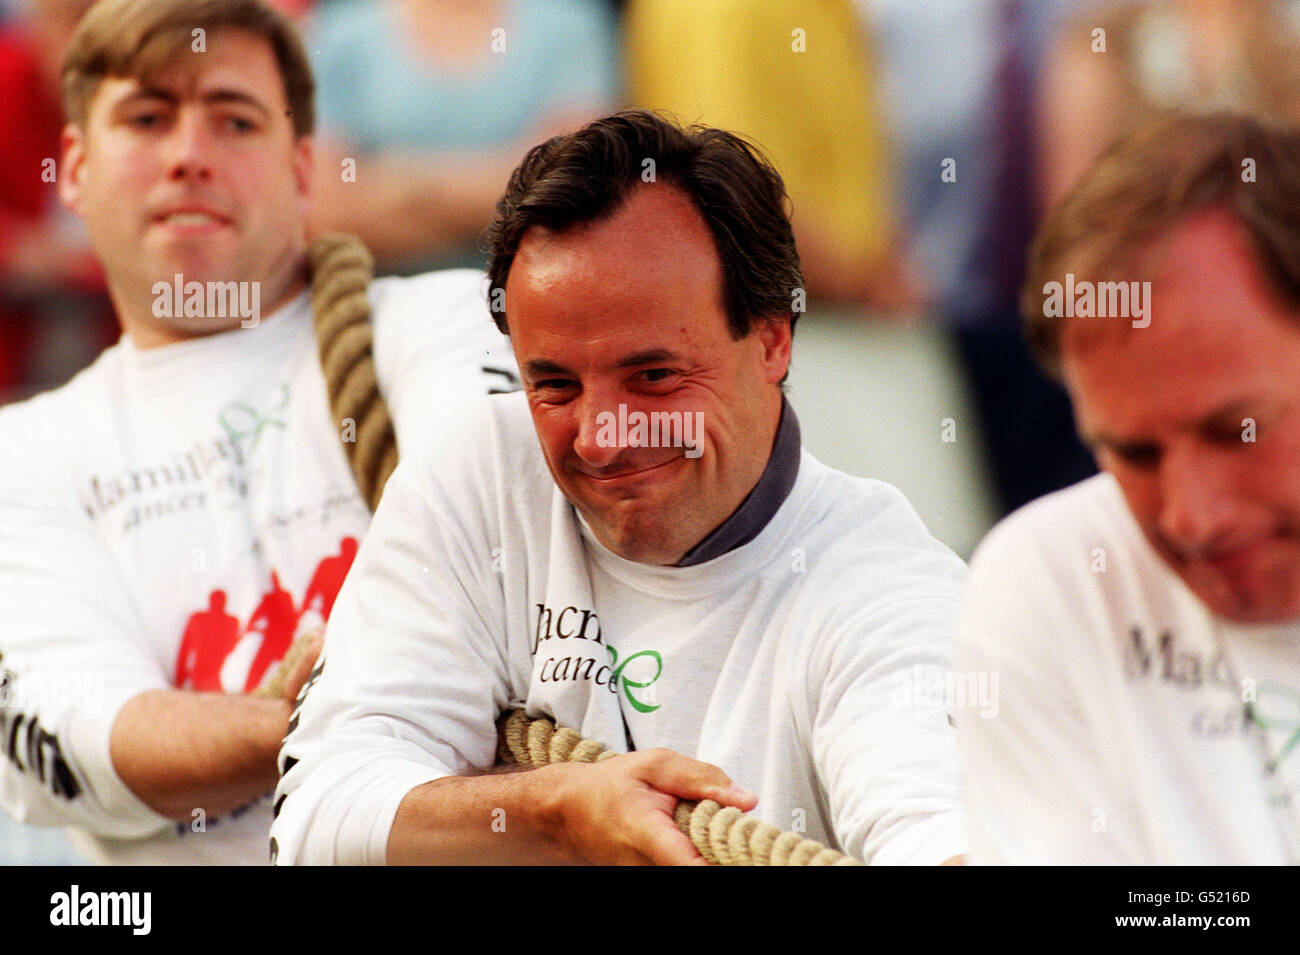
[190,145]
[1198,503]
[598,438]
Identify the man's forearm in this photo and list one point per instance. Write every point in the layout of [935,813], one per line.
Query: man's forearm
[499,819]
[618,811]
[181,750]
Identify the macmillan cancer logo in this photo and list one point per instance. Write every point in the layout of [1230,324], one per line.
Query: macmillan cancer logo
[575,662]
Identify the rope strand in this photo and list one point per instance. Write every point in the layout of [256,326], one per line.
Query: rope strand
[341,270]
[722,834]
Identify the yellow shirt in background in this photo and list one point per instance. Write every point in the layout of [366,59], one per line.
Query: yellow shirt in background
[793,77]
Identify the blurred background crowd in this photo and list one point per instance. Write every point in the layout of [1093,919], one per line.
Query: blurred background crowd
[920,142]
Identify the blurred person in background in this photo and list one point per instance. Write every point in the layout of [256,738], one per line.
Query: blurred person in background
[957,78]
[427,105]
[183,511]
[1145,623]
[1115,66]
[798,79]
[50,282]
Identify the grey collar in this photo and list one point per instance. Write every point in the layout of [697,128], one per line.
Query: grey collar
[773,487]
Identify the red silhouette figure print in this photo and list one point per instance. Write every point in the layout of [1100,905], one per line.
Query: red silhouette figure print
[209,637]
[328,579]
[277,618]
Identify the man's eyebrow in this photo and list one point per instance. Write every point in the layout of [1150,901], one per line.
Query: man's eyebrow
[648,357]
[235,96]
[1228,411]
[212,96]
[1101,440]
[1233,409]
[542,366]
[147,92]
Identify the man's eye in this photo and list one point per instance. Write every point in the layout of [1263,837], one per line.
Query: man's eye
[149,120]
[1232,435]
[552,384]
[1142,456]
[241,124]
[656,375]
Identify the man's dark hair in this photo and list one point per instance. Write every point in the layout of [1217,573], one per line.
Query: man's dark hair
[586,176]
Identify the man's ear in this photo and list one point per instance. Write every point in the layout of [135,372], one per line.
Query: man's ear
[775,336]
[73,143]
[303,159]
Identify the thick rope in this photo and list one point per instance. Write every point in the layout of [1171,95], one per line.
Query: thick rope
[341,270]
[272,686]
[724,836]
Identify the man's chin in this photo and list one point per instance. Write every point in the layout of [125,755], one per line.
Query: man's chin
[195,258]
[194,268]
[1246,602]
[641,542]
[183,328]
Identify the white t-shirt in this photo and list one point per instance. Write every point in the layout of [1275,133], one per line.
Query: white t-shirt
[174,517]
[786,661]
[1121,734]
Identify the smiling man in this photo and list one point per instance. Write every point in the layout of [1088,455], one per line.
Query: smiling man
[176,515]
[739,616]
[1146,623]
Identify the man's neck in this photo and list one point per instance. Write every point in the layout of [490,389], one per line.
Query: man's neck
[762,503]
[147,331]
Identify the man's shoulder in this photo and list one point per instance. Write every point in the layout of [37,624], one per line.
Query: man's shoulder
[485,446]
[434,336]
[40,428]
[1062,524]
[1074,561]
[454,294]
[873,541]
[864,512]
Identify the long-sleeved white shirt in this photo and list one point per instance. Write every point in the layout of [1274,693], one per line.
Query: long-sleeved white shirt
[788,661]
[1121,734]
[172,517]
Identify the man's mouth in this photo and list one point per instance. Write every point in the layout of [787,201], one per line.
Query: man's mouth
[191,219]
[626,474]
[1233,561]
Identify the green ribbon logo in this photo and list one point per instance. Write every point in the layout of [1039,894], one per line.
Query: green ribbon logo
[629,684]
[244,421]
[1278,709]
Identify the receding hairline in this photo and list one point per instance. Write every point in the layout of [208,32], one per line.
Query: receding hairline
[1148,182]
[538,236]
[1150,260]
